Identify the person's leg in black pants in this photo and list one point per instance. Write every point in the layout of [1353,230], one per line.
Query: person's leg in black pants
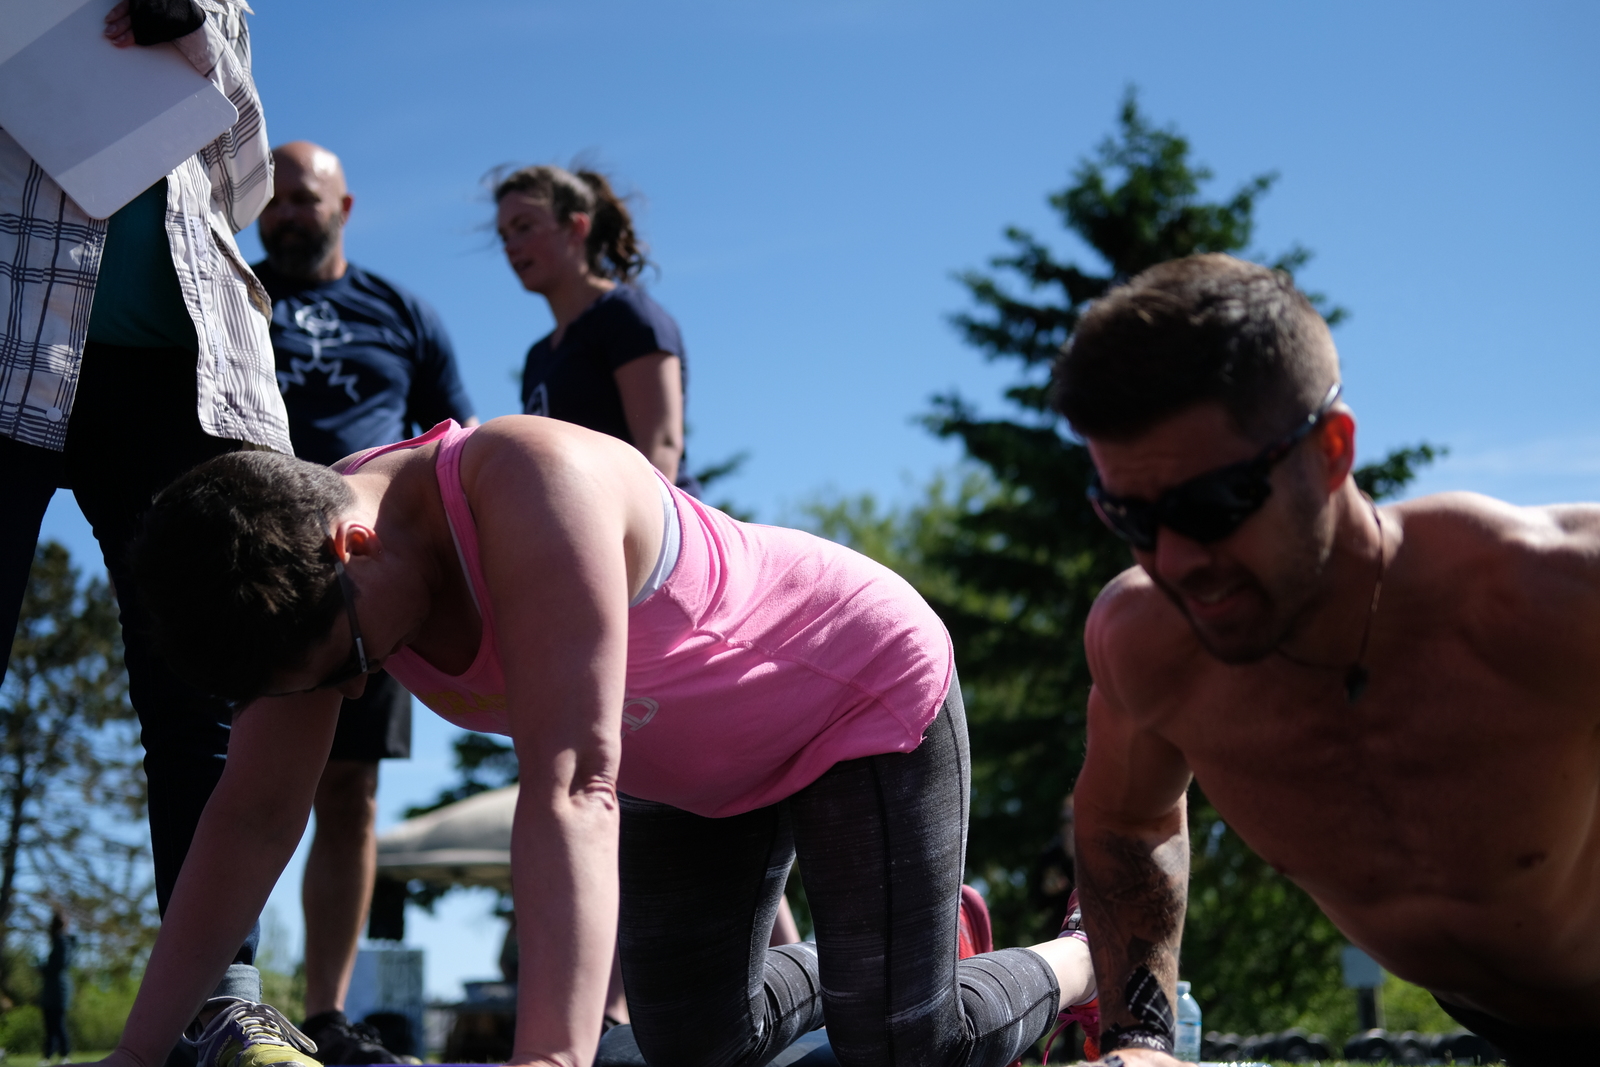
[698,900]
[55,1033]
[134,429]
[881,842]
[29,476]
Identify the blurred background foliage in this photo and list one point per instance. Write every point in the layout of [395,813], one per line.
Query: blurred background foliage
[72,808]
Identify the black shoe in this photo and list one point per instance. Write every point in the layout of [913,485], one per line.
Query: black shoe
[341,1041]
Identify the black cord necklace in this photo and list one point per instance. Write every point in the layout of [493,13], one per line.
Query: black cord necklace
[1355,676]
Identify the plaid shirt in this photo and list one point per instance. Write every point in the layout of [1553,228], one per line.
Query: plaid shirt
[50,261]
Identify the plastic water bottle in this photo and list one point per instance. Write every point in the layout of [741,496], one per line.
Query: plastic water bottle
[1187,1047]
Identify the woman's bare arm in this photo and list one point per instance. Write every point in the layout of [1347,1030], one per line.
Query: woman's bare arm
[250,828]
[553,551]
[652,400]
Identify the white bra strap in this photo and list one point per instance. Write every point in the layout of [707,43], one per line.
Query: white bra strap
[671,542]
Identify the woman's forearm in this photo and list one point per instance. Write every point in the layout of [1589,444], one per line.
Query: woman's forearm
[246,836]
[238,852]
[563,856]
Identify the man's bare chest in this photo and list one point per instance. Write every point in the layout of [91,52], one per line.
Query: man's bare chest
[1444,778]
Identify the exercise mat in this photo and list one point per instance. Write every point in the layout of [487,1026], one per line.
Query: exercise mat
[618,1049]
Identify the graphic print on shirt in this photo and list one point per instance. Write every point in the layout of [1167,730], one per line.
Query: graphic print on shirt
[538,401]
[321,324]
[637,712]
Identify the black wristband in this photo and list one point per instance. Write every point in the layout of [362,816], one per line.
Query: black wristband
[158,21]
[1147,1003]
[1136,1037]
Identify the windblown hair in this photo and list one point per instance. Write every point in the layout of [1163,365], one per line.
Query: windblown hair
[614,249]
[1203,328]
[234,564]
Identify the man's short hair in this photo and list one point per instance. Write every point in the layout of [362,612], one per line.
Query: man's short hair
[1203,328]
[235,566]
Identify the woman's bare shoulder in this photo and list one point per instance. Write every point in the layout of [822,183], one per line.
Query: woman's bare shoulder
[532,446]
[517,462]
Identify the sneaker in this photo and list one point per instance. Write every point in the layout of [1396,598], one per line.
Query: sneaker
[1072,925]
[248,1034]
[1086,1014]
[341,1041]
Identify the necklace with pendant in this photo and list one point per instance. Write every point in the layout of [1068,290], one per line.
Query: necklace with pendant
[1355,675]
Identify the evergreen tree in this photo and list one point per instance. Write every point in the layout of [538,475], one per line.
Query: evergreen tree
[72,793]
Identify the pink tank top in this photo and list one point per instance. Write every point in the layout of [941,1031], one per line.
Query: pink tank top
[767,656]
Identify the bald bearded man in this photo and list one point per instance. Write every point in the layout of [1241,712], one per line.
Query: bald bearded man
[361,363]
[1397,707]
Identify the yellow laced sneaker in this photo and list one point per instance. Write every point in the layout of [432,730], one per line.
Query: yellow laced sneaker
[248,1034]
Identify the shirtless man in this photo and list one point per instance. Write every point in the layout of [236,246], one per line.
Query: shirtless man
[1397,707]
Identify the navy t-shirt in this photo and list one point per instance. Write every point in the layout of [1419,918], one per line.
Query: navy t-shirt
[361,363]
[575,380]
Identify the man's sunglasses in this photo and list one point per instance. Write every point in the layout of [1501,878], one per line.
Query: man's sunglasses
[1209,506]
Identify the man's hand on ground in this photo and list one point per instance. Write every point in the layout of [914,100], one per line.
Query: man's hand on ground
[1136,1057]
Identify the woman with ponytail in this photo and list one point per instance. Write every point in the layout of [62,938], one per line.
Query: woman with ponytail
[615,360]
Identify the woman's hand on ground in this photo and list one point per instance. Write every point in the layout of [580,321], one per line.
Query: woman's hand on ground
[118,1058]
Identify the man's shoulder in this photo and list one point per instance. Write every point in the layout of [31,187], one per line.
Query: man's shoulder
[402,307]
[1137,640]
[1470,529]
[374,284]
[1523,580]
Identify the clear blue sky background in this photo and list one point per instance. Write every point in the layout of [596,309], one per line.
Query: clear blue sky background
[815,172]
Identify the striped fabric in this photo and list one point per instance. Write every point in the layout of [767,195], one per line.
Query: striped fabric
[50,259]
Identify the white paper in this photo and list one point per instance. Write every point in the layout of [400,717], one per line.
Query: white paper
[106,123]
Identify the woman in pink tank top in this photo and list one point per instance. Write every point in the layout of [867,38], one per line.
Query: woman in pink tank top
[694,701]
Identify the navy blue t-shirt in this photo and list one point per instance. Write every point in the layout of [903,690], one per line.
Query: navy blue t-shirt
[361,363]
[575,381]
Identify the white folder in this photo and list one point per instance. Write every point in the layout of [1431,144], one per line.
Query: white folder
[105,122]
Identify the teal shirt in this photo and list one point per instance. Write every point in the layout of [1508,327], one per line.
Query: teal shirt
[137,301]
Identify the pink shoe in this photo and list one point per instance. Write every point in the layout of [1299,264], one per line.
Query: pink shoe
[1086,1014]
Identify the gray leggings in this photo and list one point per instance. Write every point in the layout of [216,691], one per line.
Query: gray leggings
[881,842]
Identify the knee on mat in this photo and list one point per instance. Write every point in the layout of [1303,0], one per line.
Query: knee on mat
[675,1043]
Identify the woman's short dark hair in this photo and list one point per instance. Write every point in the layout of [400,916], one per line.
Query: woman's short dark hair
[613,248]
[1203,328]
[236,570]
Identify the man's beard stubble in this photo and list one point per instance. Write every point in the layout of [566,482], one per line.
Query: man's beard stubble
[1284,600]
[296,251]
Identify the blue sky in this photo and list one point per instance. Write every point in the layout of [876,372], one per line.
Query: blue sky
[814,173]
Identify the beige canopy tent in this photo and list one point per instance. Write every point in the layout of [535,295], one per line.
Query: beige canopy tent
[465,843]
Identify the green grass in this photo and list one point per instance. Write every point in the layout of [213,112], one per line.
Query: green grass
[29,1059]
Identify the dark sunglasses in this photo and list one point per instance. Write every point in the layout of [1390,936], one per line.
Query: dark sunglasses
[1209,506]
[356,662]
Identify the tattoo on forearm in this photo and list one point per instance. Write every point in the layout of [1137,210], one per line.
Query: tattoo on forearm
[1144,1000]
[1135,896]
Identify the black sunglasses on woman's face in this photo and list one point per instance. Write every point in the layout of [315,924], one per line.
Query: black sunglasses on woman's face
[356,662]
[1209,506]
